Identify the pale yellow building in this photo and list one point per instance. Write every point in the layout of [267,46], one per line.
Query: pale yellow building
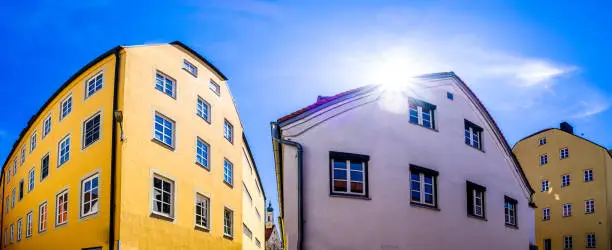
[572,177]
[142,148]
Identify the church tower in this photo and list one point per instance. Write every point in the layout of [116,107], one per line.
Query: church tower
[269,216]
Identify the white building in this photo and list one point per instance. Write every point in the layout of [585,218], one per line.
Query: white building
[420,165]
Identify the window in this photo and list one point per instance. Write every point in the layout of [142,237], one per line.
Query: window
[563,153]
[44,167]
[228,172]
[8,202]
[228,220]
[203,109]
[547,244]
[164,130]
[65,107]
[473,135]
[46,126]
[349,174]
[8,175]
[214,87]
[29,224]
[568,242]
[423,186]
[165,84]
[202,208]
[542,141]
[19,228]
[93,85]
[258,214]
[90,195]
[33,142]
[31,180]
[64,151]
[546,214]
[13,198]
[588,175]
[61,208]
[590,241]
[23,155]
[21,187]
[6,234]
[228,131]
[565,180]
[12,232]
[247,232]
[476,199]
[422,113]
[91,130]
[246,194]
[190,68]
[257,243]
[163,196]
[42,217]
[543,159]
[545,185]
[202,153]
[567,210]
[14,166]
[450,96]
[589,206]
[510,211]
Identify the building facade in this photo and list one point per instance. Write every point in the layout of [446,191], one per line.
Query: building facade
[390,167]
[142,148]
[273,240]
[572,176]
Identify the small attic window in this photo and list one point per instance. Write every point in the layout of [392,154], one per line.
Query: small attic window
[450,96]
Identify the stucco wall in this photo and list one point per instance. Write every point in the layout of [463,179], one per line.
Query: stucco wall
[379,127]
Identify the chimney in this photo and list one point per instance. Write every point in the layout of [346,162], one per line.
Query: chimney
[564,126]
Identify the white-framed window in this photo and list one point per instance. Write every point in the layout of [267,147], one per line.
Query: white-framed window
[91,130]
[6,237]
[423,185]
[543,159]
[61,208]
[65,107]
[246,194]
[19,228]
[546,214]
[90,193]
[15,166]
[189,67]
[563,153]
[422,113]
[476,199]
[588,175]
[565,180]
[31,180]
[473,135]
[228,172]
[349,174]
[165,84]
[590,241]
[8,201]
[8,175]
[29,224]
[44,167]
[14,194]
[228,131]
[63,154]
[589,206]
[42,217]
[214,87]
[246,231]
[32,141]
[164,130]
[202,208]
[202,153]
[93,84]
[257,242]
[510,211]
[163,196]
[46,126]
[542,141]
[203,109]
[568,242]
[12,233]
[545,185]
[23,154]
[228,222]
[567,210]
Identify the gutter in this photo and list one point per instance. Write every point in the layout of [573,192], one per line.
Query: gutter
[275,131]
[113,193]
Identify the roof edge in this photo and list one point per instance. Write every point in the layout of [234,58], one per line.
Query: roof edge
[548,129]
[199,56]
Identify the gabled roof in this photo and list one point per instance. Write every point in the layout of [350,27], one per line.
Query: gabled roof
[208,63]
[323,102]
[548,129]
[269,231]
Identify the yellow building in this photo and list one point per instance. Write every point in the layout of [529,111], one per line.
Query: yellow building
[142,148]
[573,178]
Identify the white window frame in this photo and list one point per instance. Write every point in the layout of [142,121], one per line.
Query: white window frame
[228,225]
[420,118]
[93,80]
[567,210]
[545,185]
[215,87]
[422,189]
[203,109]
[588,175]
[164,127]
[190,67]
[205,211]
[202,159]
[478,195]
[65,107]
[546,214]
[348,180]
[23,154]
[19,228]
[14,194]
[568,242]
[84,130]
[65,199]
[591,241]
[43,215]
[565,180]
[12,233]
[589,206]
[46,127]
[475,143]
[91,201]
[33,141]
[228,172]
[165,77]
[29,221]
[172,196]
[543,159]
[60,146]
[47,155]
[228,131]
[564,153]
[542,141]
[510,219]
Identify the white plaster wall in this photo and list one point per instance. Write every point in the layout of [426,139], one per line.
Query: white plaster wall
[388,221]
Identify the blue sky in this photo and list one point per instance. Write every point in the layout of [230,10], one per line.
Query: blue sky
[533,64]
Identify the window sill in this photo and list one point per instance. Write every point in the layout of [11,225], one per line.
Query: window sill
[477,217]
[419,125]
[161,216]
[229,237]
[171,148]
[194,75]
[88,216]
[479,149]
[359,197]
[206,120]
[589,213]
[202,165]
[61,225]
[201,228]
[515,227]
[228,184]
[414,204]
